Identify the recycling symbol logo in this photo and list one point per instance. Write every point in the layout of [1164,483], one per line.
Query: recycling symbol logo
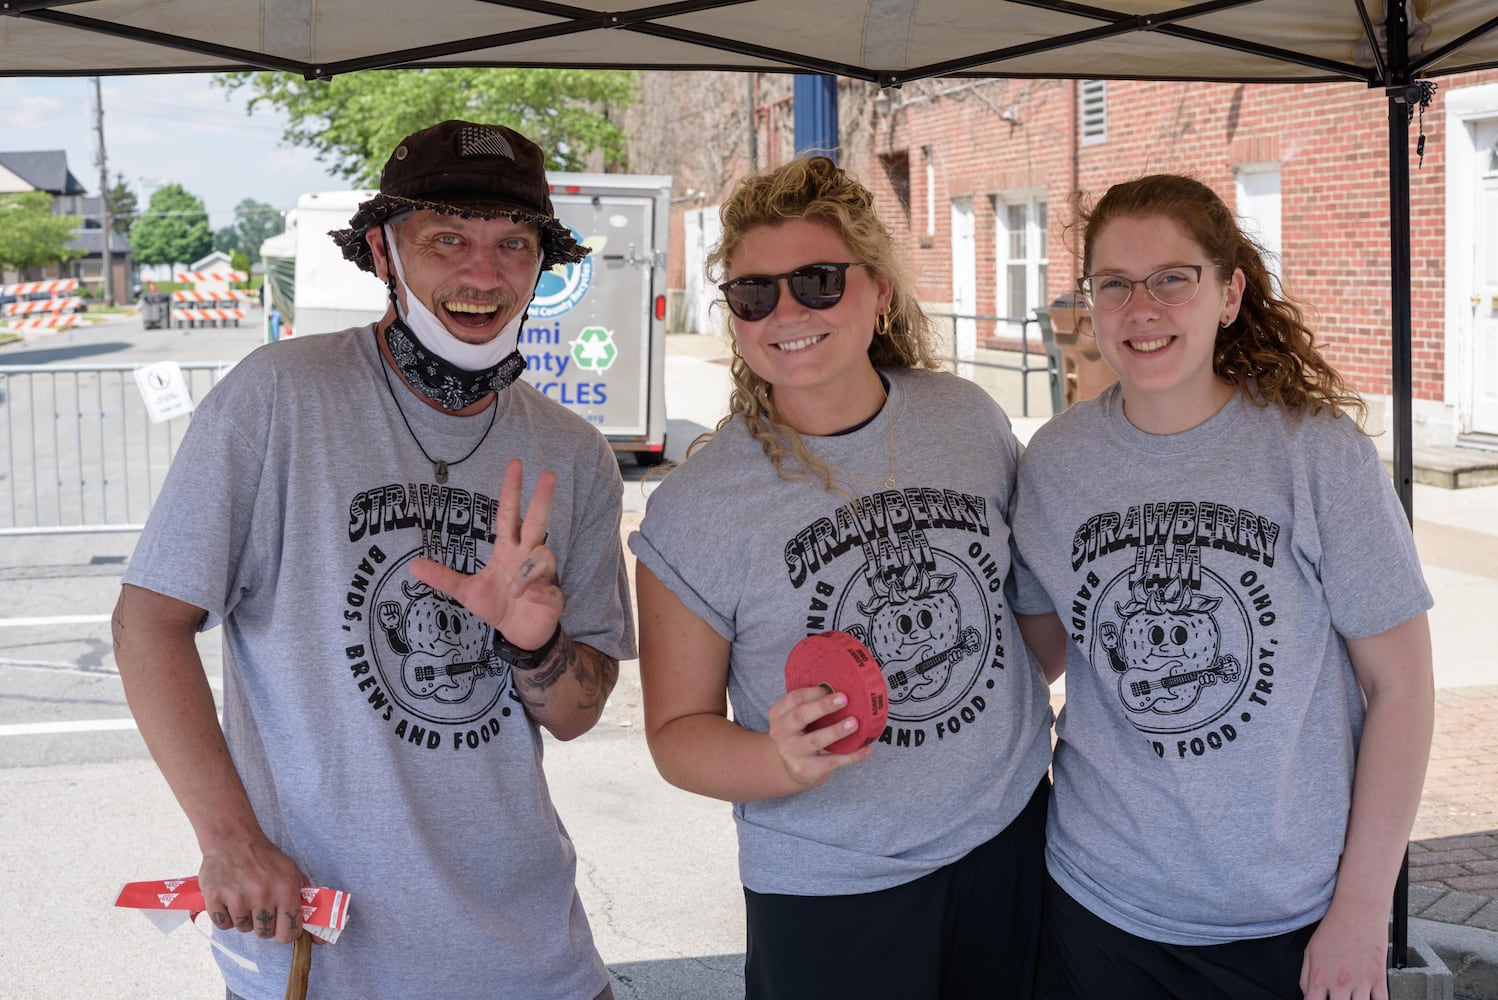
[594,349]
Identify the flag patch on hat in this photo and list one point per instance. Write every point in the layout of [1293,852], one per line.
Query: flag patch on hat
[478,140]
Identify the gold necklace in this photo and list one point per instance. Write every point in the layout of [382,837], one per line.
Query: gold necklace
[888,482]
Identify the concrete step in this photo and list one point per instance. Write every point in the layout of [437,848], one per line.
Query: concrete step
[1448,467]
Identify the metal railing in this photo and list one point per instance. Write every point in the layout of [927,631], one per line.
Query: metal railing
[78,450]
[985,358]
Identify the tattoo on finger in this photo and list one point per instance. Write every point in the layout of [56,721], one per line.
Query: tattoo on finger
[527,567]
[221,919]
[267,921]
[244,923]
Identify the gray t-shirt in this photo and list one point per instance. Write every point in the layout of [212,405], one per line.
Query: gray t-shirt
[381,741]
[917,572]
[1205,753]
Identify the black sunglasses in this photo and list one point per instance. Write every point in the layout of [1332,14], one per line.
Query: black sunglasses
[816,286]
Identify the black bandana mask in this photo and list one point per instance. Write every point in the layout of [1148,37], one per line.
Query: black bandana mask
[439,380]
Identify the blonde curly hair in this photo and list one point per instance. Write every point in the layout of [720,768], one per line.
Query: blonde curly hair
[818,190]
[1267,352]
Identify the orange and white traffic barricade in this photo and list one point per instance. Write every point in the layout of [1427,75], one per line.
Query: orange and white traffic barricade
[32,289]
[207,278]
[194,296]
[48,323]
[32,306]
[216,316]
[210,300]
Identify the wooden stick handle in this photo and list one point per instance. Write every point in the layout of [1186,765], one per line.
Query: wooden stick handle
[301,967]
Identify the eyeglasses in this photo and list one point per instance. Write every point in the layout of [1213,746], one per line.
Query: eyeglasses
[1169,286]
[816,286]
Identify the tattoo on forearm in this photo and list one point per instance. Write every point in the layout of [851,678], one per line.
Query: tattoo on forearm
[543,675]
[596,675]
[117,622]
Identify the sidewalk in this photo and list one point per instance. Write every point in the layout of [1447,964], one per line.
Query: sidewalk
[1454,853]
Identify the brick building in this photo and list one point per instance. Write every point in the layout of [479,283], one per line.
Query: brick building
[976,178]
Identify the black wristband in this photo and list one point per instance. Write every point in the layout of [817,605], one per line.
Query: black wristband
[526,657]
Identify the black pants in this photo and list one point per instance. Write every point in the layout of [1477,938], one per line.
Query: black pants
[1083,957]
[969,931]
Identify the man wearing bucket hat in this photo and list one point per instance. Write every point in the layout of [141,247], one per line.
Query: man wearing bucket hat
[349,507]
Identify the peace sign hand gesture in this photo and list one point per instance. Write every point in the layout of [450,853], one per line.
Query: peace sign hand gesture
[516,591]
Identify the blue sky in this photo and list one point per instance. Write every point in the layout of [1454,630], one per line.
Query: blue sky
[162,129]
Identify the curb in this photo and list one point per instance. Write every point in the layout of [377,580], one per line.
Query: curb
[1469,953]
[1424,977]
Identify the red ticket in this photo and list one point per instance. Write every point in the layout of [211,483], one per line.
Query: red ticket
[324,910]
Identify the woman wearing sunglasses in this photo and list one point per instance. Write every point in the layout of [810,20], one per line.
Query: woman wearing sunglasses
[852,487]
[1249,697]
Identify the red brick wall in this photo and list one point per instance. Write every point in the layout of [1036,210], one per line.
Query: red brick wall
[1330,142]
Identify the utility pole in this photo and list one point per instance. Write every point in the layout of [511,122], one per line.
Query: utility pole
[105,221]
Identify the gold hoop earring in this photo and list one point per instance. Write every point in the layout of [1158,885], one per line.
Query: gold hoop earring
[881,324]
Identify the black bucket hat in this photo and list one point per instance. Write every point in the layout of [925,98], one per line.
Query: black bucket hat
[466,169]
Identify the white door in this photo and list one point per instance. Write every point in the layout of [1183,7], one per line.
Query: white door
[703,229]
[964,283]
[1484,295]
[1259,210]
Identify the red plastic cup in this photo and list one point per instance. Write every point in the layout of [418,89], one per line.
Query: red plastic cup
[839,662]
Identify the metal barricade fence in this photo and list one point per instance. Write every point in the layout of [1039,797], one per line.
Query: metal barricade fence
[79,450]
[988,361]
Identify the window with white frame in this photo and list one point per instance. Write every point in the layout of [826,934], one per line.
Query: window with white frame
[1020,256]
[1092,98]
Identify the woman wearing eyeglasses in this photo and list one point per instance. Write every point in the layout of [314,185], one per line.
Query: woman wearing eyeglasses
[1214,552]
[852,487]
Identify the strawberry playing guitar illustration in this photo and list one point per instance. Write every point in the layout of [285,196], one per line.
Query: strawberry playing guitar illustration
[1174,682]
[445,679]
[444,649]
[1167,648]
[911,680]
[915,631]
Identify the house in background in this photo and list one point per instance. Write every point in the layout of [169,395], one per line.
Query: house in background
[47,170]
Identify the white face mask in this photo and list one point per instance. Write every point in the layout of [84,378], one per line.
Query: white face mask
[436,337]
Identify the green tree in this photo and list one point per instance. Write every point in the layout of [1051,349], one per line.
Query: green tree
[226,239]
[123,205]
[353,121]
[30,235]
[173,230]
[254,223]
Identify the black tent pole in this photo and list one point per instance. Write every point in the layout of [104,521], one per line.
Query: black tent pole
[1401,98]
